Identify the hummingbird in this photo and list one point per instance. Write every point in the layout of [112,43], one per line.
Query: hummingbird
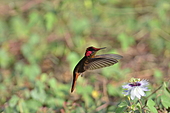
[91,61]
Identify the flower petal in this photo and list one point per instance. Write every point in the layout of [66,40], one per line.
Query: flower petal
[126,92]
[144,83]
[132,93]
[136,89]
[140,91]
[145,89]
[137,92]
[127,86]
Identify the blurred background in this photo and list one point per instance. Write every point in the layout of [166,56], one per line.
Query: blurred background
[41,42]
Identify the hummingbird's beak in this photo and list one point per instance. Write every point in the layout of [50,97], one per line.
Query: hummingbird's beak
[100,48]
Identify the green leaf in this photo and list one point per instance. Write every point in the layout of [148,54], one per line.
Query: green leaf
[18,25]
[159,44]
[51,101]
[22,106]
[123,104]
[158,74]
[30,49]
[33,40]
[79,110]
[33,104]
[9,110]
[109,72]
[80,25]
[3,30]
[113,90]
[52,83]
[165,101]
[13,101]
[50,19]
[87,98]
[73,59]
[60,101]
[165,96]
[150,104]
[85,90]
[120,110]
[125,41]
[44,77]
[122,107]
[34,18]
[32,71]
[5,59]
[38,94]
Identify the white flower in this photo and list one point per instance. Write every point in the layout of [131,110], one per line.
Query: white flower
[136,88]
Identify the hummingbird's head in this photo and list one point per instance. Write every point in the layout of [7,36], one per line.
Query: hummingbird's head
[90,51]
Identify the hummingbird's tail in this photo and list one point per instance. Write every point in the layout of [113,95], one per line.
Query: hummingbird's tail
[75,76]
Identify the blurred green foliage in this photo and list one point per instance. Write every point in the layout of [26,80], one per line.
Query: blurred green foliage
[41,42]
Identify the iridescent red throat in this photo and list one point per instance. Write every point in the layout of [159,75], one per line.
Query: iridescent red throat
[88,53]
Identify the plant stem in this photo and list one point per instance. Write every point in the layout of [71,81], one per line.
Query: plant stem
[140,105]
[154,91]
[152,94]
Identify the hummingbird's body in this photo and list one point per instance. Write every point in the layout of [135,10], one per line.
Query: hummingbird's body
[91,62]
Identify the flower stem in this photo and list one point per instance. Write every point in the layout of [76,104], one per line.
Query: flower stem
[154,91]
[152,94]
[140,105]
[130,103]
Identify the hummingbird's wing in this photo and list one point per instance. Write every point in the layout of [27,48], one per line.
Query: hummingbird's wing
[101,61]
[114,56]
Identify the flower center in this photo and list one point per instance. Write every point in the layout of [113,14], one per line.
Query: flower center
[135,84]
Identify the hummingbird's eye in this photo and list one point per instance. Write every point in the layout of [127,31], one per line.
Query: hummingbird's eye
[90,49]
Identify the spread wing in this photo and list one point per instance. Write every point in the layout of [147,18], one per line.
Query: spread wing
[101,61]
[113,56]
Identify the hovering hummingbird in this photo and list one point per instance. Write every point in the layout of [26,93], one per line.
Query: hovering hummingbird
[91,61]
